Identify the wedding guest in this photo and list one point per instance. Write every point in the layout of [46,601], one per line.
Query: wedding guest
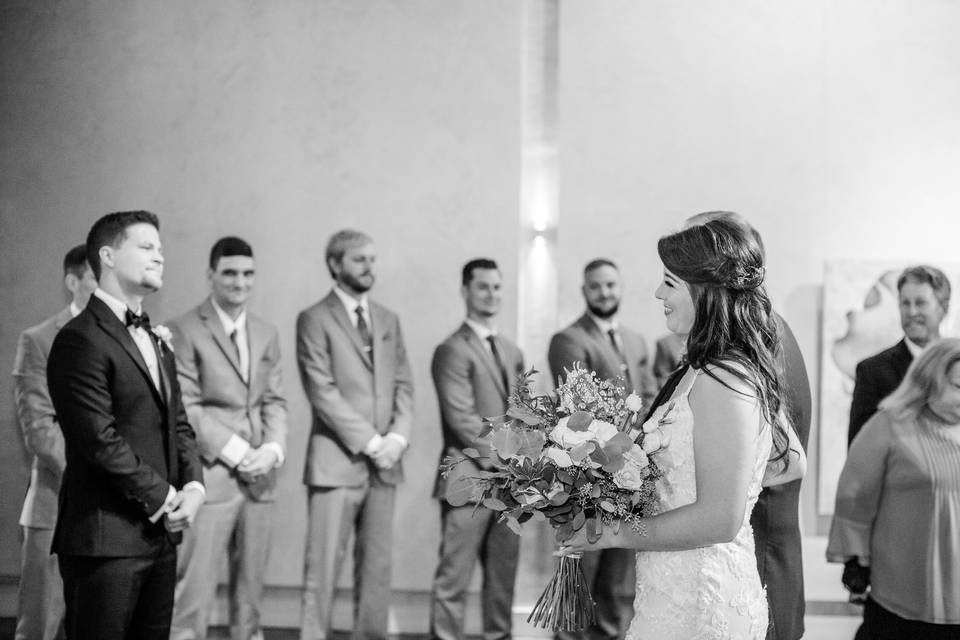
[602,344]
[896,524]
[132,482]
[474,371]
[40,602]
[228,364]
[354,369]
[924,294]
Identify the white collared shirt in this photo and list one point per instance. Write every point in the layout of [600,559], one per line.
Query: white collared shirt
[350,304]
[145,345]
[483,332]
[240,326]
[606,325]
[141,338]
[74,310]
[914,349]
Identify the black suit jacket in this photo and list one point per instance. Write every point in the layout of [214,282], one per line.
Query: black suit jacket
[127,442]
[775,517]
[876,378]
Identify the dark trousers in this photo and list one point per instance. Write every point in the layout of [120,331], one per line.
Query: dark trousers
[611,574]
[119,598]
[883,624]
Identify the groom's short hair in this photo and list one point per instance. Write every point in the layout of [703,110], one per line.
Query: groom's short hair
[229,246]
[75,261]
[111,230]
[340,242]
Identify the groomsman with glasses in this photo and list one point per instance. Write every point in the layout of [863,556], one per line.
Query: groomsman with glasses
[40,610]
[228,363]
[602,344]
[474,370]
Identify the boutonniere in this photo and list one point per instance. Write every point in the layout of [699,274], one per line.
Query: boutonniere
[164,336]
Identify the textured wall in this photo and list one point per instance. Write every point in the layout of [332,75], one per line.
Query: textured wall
[281,123]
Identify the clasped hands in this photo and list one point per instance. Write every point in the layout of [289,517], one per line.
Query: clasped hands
[256,462]
[182,509]
[385,452]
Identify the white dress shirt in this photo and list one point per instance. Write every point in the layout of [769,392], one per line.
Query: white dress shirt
[351,304]
[237,448]
[145,345]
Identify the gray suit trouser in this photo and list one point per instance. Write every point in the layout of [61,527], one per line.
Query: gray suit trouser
[41,609]
[335,513]
[237,529]
[466,537]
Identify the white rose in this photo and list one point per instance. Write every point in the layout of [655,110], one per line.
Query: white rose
[603,430]
[568,438]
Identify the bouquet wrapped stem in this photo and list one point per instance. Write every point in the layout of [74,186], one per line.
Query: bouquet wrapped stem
[566,603]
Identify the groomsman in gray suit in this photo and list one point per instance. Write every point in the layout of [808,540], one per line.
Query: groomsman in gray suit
[354,369]
[40,611]
[474,371]
[228,364]
[602,344]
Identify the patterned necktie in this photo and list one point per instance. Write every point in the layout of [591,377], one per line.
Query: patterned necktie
[364,330]
[624,366]
[496,357]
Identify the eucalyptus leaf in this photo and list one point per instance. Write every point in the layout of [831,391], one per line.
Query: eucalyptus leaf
[514,526]
[506,442]
[470,452]
[579,520]
[462,491]
[579,420]
[495,505]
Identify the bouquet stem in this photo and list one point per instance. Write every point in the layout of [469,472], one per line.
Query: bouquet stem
[566,603]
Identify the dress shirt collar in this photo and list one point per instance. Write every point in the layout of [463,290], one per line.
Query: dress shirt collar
[119,307]
[605,324]
[482,331]
[74,310]
[229,324]
[913,347]
[351,303]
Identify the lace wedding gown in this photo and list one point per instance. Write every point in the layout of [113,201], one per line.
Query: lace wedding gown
[707,593]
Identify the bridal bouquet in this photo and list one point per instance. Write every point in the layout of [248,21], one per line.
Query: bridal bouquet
[569,458]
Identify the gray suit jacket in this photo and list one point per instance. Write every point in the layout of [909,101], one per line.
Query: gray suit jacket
[220,404]
[584,342]
[353,396]
[38,421]
[469,388]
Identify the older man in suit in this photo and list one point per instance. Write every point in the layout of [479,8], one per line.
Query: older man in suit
[354,369]
[40,601]
[228,363]
[603,345]
[133,480]
[924,294]
[473,371]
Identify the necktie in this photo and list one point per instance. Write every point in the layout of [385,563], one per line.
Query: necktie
[624,366]
[499,360]
[138,321]
[364,332]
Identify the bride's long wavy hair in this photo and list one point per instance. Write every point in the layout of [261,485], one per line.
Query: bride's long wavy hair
[722,263]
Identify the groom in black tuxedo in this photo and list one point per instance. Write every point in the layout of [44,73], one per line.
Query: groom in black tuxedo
[133,479]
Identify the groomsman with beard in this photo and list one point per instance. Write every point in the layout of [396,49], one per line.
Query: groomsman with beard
[228,363]
[474,371]
[40,610]
[602,344]
[132,482]
[354,369]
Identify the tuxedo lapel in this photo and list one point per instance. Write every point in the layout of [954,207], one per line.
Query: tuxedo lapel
[481,351]
[339,313]
[112,326]
[212,321]
[601,342]
[903,360]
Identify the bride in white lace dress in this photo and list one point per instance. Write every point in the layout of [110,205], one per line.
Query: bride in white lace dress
[725,437]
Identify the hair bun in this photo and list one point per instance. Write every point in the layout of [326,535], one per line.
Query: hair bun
[747,278]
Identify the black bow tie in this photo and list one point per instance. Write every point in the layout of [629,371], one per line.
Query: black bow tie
[138,321]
